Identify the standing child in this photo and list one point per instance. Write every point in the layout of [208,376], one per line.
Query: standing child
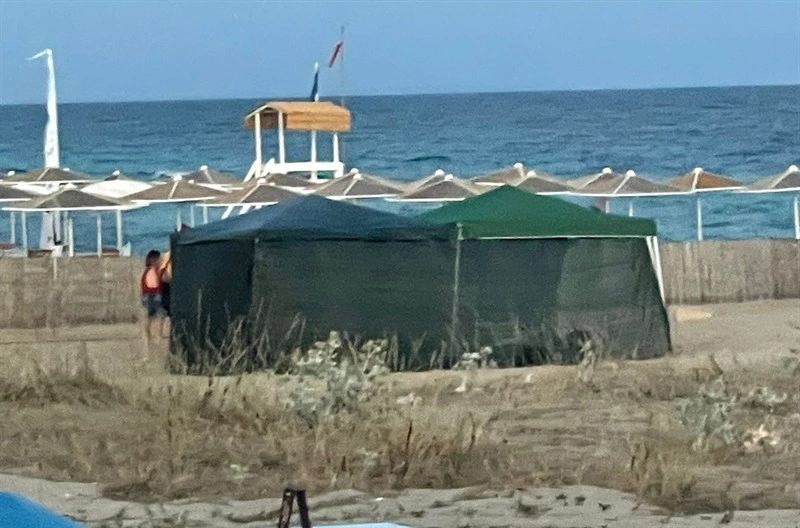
[150,287]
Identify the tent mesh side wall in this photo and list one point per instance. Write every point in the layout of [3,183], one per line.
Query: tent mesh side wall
[533,300]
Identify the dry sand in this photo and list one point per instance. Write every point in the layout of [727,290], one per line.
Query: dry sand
[756,335]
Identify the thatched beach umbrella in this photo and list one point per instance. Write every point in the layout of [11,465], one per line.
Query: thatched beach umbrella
[355,185]
[541,183]
[256,195]
[448,189]
[290,181]
[116,186]
[509,176]
[437,176]
[698,181]
[629,185]
[70,200]
[48,176]
[176,191]
[786,181]
[593,179]
[12,194]
[206,176]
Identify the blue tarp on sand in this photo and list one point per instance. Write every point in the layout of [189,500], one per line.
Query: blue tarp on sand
[19,512]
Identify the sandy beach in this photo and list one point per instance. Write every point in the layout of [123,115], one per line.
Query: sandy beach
[534,447]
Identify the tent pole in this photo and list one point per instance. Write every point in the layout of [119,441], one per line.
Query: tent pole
[456,281]
[24,221]
[99,235]
[630,208]
[281,143]
[13,229]
[257,133]
[119,230]
[797,217]
[699,219]
[658,269]
[205,215]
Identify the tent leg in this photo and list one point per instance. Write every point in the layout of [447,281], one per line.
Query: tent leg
[13,230]
[456,281]
[655,255]
[699,219]
[119,230]
[24,220]
[797,217]
[99,235]
[205,215]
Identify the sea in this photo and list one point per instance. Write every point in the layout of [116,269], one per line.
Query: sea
[746,133]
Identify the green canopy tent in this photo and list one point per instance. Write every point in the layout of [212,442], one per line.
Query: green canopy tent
[546,263]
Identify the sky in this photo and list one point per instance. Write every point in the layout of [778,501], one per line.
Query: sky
[167,50]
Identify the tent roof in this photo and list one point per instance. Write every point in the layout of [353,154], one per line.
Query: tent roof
[258,193]
[49,175]
[315,218]
[508,176]
[357,185]
[788,180]
[70,200]
[322,116]
[701,180]
[507,212]
[178,190]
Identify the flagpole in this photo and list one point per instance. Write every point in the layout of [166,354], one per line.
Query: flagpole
[342,80]
[315,97]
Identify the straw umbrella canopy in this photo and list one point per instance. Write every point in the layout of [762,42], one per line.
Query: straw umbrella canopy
[436,177]
[290,181]
[508,176]
[597,178]
[257,195]
[449,189]
[206,176]
[541,183]
[698,181]
[48,176]
[73,200]
[178,190]
[630,185]
[355,186]
[786,181]
[13,194]
[116,186]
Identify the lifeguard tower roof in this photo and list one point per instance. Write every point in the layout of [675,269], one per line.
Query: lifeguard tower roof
[320,116]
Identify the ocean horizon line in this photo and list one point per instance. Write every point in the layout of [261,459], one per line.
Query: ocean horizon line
[420,94]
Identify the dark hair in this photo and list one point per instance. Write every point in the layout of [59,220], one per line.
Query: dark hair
[152,258]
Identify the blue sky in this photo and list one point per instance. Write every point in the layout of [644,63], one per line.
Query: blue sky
[130,51]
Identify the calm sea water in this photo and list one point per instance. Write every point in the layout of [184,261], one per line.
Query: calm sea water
[746,133]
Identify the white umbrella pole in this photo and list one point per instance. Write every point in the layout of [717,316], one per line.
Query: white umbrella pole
[699,219]
[630,208]
[99,235]
[191,215]
[608,205]
[71,234]
[13,230]
[24,221]
[178,219]
[205,215]
[119,230]
[797,217]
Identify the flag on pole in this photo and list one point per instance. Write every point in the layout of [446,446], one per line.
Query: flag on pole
[337,50]
[315,87]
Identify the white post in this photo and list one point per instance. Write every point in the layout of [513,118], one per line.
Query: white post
[630,208]
[314,173]
[119,230]
[205,215]
[228,212]
[24,220]
[797,217]
[335,147]
[178,220]
[13,230]
[191,215]
[71,237]
[608,205]
[658,270]
[281,143]
[699,219]
[258,143]
[99,234]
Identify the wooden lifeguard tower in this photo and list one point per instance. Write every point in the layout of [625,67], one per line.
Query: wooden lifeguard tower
[299,116]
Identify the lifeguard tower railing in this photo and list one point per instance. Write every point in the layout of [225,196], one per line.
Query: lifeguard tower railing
[297,116]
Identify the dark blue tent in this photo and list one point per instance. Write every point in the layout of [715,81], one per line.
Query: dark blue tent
[19,512]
